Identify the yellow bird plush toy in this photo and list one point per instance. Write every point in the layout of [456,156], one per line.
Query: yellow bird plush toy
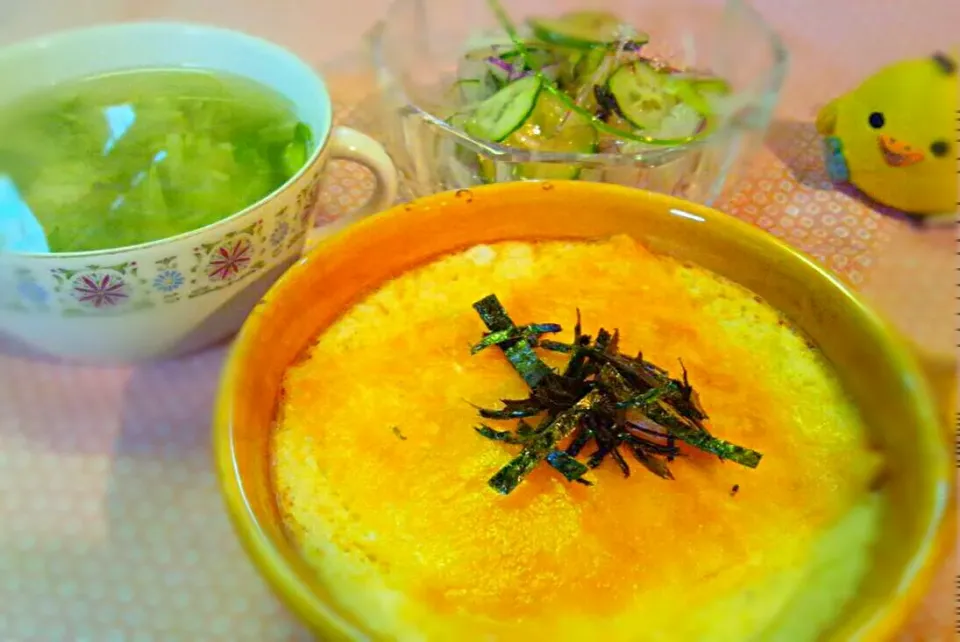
[895,136]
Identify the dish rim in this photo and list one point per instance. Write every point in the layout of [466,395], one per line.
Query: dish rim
[64,37]
[322,617]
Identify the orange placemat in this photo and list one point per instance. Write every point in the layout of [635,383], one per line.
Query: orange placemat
[111,527]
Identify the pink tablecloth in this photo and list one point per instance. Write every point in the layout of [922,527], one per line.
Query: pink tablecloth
[111,528]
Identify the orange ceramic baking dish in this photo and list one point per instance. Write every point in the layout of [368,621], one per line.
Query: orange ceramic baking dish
[878,369]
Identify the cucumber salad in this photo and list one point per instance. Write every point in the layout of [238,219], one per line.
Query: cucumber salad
[578,83]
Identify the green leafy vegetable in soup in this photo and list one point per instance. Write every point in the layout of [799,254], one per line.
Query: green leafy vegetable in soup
[137,156]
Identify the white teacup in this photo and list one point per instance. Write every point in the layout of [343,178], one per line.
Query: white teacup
[182,293]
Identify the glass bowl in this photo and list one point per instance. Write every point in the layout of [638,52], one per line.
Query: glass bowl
[417,48]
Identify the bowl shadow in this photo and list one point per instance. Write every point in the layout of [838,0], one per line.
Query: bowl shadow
[219,328]
[156,538]
[14,349]
[163,510]
[167,407]
[797,145]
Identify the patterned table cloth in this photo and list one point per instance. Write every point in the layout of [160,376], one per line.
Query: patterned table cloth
[111,527]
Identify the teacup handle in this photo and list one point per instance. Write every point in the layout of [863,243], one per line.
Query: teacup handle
[350,145]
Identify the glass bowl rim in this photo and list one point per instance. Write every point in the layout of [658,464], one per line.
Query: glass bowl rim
[771,84]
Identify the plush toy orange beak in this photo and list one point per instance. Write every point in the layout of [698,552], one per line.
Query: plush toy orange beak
[897,153]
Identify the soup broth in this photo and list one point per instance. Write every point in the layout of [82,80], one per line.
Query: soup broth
[382,476]
[136,156]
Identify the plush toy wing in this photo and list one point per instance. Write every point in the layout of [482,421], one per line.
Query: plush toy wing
[827,118]
[833,157]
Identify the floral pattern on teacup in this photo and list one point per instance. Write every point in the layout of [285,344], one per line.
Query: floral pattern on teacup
[237,255]
[117,288]
[307,199]
[286,229]
[168,281]
[304,214]
[101,289]
[230,259]
[19,290]
[31,291]
[280,229]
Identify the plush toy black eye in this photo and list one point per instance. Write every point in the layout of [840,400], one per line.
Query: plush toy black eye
[939,148]
[877,120]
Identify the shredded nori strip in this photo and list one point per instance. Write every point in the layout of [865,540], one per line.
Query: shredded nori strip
[542,442]
[556,346]
[566,465]
[519,353]
[701,439]
[527,333]
[513,409]
[581,438]
[506,436]
[602,396]
[650,461]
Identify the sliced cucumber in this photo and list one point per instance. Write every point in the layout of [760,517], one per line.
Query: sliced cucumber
[508,69]
[491,51]
[505,112]
[475,81]
[458,119]
[589,64]
[683,120]
[686,92]
[627,131]
[487,168]
[584,30]
[473,90]
[547,172]
[568,62]
[500,76]
[641,95]
[552,128]
[710,85]
[537,56]
[538,53]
